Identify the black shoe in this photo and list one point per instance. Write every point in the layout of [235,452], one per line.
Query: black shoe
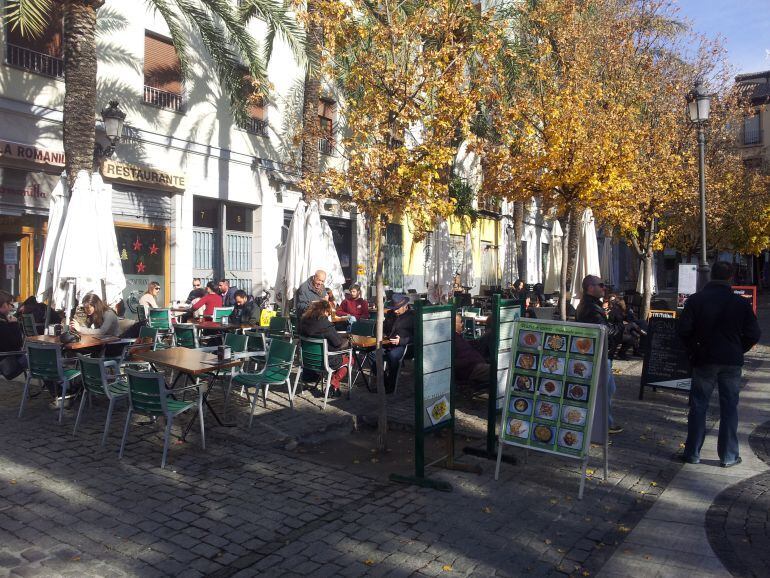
[615,429]
[687,459]
[336,393]
[737,461]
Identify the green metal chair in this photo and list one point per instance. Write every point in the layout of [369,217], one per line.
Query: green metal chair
[220,313]
[46,364]
[97,381]
[314,356]
[277,370]
[186,335]
[28,325]
[146,331]
[238,345]
[256,346]
[280,327]
[149,396]
[160,319]
[364,327]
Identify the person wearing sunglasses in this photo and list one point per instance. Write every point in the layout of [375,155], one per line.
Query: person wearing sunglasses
[591,310]
[197,291]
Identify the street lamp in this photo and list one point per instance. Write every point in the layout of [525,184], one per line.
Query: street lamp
[113,118]
[699,107]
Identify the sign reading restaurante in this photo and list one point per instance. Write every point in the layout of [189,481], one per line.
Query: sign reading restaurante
[139,175]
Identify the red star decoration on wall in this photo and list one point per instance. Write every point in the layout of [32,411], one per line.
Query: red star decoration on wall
[154,249]
[137,245]
[140,267]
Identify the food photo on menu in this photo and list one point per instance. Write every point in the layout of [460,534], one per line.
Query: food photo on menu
[580,368]
[582,345]
[571,439]
[521,405]
[523,383]
[573,415]
[546,410]
[577,391]
[527,361]
[555,342]
[550,387]
[517,428]
[542,433]
[530,339]
[552,365]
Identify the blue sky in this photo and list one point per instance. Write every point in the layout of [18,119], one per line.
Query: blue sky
[744,26]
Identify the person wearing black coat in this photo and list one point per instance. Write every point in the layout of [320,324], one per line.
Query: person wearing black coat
[246,312]
[397,332]
[11,339]
[717,327]
[315,323]
[590,310]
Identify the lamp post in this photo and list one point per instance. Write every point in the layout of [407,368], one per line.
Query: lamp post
[113,119]
[699,107]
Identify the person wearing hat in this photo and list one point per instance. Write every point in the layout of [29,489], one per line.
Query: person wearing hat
[397,333]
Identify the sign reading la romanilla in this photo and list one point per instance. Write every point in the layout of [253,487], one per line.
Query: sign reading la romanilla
[32,154]
[143,176]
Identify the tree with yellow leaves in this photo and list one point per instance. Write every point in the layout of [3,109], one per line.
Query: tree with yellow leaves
[403,68]
[561,118]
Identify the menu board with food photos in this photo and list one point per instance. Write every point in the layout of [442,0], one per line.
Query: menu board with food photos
[553,386]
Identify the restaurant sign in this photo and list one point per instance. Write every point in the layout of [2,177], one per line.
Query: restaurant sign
[23,152]
[142,176]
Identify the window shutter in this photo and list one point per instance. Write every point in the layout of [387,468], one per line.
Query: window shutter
[49,43]
[162,69]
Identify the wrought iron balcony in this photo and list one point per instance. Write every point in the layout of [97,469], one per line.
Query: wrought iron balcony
[33,61]
[255,126]
[751,135]
[163,99]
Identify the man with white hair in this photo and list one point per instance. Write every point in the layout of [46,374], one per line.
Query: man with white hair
[313,289]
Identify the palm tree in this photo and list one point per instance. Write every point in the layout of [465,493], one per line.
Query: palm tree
[221,29]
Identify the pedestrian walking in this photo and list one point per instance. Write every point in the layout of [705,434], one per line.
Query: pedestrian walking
[717,327]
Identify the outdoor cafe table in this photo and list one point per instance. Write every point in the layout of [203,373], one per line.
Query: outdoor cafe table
[86,341]
[362,344]
[193,363]
[216,326]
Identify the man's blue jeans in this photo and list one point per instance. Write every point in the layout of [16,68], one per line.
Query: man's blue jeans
[611,387]
[728,380]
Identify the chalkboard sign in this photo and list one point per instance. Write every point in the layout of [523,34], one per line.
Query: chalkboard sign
[665,361]
[747,292]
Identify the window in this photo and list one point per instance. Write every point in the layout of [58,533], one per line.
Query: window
[326,111]
[255,109]
[239,218]
[205,212]
[393,273]
[752,133]
[42,55]
[162,73]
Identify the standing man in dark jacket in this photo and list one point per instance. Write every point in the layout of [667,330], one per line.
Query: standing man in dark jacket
[227,293]
[590,310]
[717,327]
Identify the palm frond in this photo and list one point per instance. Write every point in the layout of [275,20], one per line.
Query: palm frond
[178,34]
[29,16]
[279,22]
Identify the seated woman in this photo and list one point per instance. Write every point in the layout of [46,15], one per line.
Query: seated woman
[315,323]
[206,304]
[100,319]
[148,299]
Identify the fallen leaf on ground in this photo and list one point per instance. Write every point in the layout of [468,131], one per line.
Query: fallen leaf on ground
[369,562]
[547,541]
[13,482]
[624,529]
[553,501]
[76,558]
[653,484]
[486,510]
[446,568]
[589,472]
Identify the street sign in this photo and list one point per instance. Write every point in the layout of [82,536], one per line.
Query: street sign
[10,253]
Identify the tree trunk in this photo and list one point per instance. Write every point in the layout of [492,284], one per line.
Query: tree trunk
[311,131]
[647,284]
[80,85]
[570,256]
[382,414]
[565,243]
[518,233]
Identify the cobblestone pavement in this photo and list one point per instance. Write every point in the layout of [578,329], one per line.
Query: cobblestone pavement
[254,502]
[738,522]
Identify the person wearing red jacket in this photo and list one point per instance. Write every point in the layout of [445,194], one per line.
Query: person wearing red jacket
[209,301]
[354,304]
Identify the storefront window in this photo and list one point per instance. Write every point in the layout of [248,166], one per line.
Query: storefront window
[143,256]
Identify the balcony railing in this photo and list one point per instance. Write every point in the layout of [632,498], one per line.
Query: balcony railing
[752,135]
[326,146]
[163,99]
[34,61]
[255,126]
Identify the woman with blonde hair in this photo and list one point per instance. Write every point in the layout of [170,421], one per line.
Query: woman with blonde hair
[100,319]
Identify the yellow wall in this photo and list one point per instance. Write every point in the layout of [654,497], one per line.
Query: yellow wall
[485,229]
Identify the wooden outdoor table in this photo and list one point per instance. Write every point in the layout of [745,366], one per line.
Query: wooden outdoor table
[193,363]
[363,341]
[86,341]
